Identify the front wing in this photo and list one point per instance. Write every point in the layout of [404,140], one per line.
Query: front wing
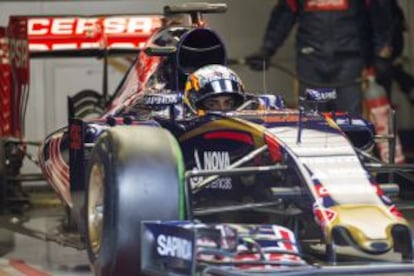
[188,248]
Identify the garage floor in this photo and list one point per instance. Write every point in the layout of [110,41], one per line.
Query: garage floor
[33,257]
[22,255]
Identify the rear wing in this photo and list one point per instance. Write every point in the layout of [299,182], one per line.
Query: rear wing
[89,35]
[28,37]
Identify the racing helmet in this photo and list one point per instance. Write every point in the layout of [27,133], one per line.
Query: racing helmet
[210,82]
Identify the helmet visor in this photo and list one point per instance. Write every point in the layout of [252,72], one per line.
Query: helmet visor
[223,87]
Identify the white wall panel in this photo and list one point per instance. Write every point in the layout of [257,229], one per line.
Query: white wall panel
[67,77]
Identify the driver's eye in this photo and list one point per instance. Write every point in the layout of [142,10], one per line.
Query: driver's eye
[220,103]
[229,103]
[212,104]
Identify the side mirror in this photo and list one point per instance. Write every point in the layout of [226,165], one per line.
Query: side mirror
[316,96]
[320,95]
[270,101]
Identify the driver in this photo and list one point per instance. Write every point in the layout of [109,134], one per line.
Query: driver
[213,88]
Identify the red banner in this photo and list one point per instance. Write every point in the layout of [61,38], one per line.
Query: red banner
[19,64]
[5,85]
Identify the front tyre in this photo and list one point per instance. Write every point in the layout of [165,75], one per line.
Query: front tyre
[135,174]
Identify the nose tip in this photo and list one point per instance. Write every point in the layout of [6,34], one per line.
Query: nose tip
[223,106]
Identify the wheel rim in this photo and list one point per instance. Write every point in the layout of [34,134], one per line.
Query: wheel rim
[95,207]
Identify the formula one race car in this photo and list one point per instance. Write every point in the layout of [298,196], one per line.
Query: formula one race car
[218,193]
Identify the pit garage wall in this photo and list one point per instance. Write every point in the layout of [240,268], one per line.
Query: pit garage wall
[241,28]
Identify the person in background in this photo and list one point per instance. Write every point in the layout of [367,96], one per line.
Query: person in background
[397,72]
[333,43]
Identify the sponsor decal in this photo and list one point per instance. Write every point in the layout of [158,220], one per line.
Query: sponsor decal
[70,33]
[216,160]
[163,99]
[326,5]
[88,26]
[213,160]
[171,246]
